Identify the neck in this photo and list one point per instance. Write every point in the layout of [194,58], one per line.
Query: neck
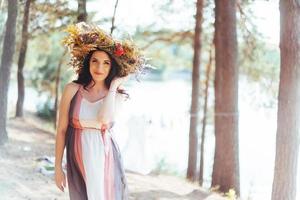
[98,87]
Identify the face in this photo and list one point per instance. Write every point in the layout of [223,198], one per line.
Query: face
[100,65]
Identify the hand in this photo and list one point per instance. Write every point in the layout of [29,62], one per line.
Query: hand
[117,81]
[60,179]
[104,128]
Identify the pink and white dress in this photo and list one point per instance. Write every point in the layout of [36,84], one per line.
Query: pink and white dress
[94,163]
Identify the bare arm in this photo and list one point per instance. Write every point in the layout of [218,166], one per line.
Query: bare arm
[112,105]
[108,112]
[63,119]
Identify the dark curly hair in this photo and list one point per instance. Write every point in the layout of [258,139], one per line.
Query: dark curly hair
[84,77]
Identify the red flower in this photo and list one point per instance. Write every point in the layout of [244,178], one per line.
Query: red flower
[118,49]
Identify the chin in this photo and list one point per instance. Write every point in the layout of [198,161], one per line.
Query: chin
[99,78]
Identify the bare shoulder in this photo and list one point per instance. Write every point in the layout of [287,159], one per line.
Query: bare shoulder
[70,90]
[72,86]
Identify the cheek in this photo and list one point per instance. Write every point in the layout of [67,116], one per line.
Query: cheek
[107,69]
[91,66]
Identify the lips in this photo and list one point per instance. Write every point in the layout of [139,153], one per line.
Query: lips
[98,73]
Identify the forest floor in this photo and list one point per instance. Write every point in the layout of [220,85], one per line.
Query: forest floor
[20,179]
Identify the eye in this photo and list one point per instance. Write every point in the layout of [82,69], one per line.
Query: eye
[94,60]
[107,63]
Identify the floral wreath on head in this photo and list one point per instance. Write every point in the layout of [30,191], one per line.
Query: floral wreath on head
[83,38]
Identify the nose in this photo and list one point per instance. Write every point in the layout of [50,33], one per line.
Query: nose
[100,68]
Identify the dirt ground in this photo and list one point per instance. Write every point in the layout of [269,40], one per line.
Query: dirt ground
[19,178]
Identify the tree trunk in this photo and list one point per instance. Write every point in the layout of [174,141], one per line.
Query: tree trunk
[2,10]
[193,138]
[6,64]
[57,82]
[1,40]
[82,14]
[287,137]
[208,71]
[226,161]
[22,56]
[113,18]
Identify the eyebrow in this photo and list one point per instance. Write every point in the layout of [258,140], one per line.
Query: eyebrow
[97,59]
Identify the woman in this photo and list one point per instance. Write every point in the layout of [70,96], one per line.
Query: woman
[87,113]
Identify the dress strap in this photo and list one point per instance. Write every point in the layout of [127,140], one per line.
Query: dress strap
[80,89]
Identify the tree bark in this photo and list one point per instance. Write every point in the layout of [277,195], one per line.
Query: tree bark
[113,18]
[6,64]
[226,160]
[82,14]
[287,136]
[193,136]
[206,93]
[22,57]
[57,82]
